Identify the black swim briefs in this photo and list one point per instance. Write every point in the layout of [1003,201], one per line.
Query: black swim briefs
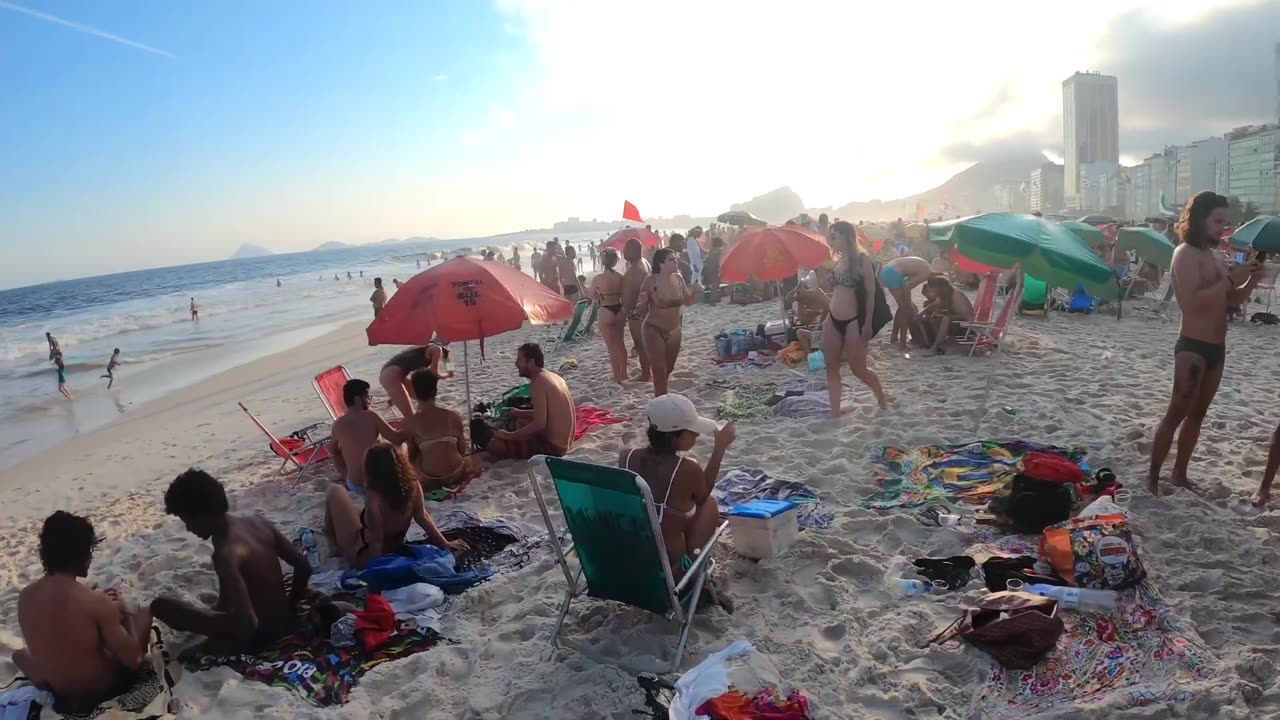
[1213,353]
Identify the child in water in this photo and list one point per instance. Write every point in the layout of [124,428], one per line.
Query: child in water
[112,364]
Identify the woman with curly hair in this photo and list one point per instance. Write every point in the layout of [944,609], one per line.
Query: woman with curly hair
[393,500]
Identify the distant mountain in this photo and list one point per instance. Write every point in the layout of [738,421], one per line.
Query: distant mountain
[331,245]
[249,250]
[775,206]
[965,193]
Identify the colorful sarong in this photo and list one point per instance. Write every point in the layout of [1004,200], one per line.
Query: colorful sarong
[970,472]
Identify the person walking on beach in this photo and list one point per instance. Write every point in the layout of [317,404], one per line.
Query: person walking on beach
[632,280]
[112,364]
[1204,289]
[848,327]
[515,257]
[62,376]
[591,248]
[54,348]
[568,279]
[549,267]
[195,311]
[607,289]
[379,296]
[535,261]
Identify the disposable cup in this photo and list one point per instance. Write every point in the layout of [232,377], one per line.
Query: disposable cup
[1013,585]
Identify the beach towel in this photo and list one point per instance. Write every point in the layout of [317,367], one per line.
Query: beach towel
[1136,655]
[310,665]
[913,476]
[421,562]
[748,403]
[496,552]
[588,416]
[746,484]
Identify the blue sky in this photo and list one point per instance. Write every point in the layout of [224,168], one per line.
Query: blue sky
[196,127]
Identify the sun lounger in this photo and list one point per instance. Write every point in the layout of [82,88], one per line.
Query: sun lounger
[609,513]
[987,335]
[298,448]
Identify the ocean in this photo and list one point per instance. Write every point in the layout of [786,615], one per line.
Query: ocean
[244,316]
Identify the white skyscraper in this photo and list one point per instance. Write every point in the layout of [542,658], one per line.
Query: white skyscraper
[1090,126]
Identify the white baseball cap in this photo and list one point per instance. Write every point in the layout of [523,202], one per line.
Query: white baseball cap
[671,413]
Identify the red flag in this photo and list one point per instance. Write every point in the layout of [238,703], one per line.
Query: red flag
[629,212]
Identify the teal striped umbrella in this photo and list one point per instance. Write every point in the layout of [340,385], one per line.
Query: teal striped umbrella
[1260,233]
[1045,250]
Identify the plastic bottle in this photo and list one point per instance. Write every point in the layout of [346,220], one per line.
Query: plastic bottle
[896,584]
[1078,598]
[310,549]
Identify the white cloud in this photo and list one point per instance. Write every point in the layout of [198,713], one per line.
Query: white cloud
[504,119]
[440,78]
[473,136]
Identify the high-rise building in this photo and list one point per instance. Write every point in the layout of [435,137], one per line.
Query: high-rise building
[1090,126]
[1278,81]
[1045,193]
[1101,188]
[1202,165]
[1011,196]
[1253,173]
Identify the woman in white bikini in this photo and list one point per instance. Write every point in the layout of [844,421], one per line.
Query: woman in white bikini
[687,511]
[848,329]
[606,288]
[663,296]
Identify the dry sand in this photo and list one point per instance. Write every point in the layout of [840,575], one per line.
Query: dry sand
[818,612]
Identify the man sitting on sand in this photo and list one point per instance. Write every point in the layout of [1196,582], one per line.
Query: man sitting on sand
[355,432]
[437,434]
[900,276]
[252,607]
[82,644]
[946,306]
[813,308]
[548,427]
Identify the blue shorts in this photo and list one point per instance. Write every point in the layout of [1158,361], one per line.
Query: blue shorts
[891,278]
[354,489]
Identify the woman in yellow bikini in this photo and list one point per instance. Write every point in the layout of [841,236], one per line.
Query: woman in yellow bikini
[848,329]
[663,296]
[437,435]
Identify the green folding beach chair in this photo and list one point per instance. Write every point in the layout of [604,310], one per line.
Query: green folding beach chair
[585,333]
[611,518]
[571,330]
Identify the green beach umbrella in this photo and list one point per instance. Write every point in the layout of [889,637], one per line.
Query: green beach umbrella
[1149,244]
[1091,235]
[1045,250]
[1260,233]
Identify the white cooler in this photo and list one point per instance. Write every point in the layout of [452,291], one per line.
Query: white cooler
[763,529]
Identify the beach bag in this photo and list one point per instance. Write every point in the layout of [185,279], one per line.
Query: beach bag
[1054,468]
[1094,552]
[1033,504]
[724,347]
[1016,629]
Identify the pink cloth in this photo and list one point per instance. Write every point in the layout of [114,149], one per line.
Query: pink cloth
[589,416]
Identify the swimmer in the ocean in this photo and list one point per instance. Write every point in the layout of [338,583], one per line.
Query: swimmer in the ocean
[278,283]
[62,376]
[112,364]
[54,348]
[195,311]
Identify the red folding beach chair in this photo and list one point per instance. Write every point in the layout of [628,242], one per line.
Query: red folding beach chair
[298,448]
[328,385]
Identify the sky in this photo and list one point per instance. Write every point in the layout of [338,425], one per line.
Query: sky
[148,133]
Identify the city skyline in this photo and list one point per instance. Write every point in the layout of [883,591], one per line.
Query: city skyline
[153,134]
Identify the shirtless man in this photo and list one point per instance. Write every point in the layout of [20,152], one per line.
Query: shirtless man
[814,306]
[900,276]
[252,606]
[548,268]
[195,309]
[547,428]
[355,432]
[1204,289]
[945,307]
[437,435]
[568,274]
[632,280]
[379,296]
[82,644]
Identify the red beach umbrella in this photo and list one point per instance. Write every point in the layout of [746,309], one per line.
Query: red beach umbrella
[647,238]
[465,299]
[773,253]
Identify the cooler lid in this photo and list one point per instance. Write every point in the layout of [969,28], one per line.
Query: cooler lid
[762,508]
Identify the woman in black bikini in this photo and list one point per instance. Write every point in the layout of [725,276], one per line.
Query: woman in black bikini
[394,376]
[662,297]
[606,288]
[393,500]
[847,329]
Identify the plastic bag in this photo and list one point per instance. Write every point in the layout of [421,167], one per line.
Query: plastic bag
[738,665]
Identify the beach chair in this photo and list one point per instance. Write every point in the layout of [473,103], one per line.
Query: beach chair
[328,385]
[985,298]
[1266,287]
[585,332]
[297,448]
[571,330]
[987,335]
[610,516]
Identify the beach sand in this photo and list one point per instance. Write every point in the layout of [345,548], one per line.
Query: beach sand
[818,612]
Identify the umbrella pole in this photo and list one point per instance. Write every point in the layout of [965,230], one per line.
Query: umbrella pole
[466,368]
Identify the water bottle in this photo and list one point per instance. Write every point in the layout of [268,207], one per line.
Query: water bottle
[310,549]
[896,584]
[1078,598]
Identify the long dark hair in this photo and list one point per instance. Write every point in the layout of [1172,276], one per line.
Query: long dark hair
[388,472]
[845,230]
[661,257]
[1194,216]
[610,258]
[662,443]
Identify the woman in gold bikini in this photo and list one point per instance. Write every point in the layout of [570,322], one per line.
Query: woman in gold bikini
[663,296]
[437,436]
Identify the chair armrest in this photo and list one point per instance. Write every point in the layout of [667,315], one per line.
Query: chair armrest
[704,557]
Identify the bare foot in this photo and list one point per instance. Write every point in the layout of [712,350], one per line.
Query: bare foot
[644,377]
[888,402]
[1260,498]
[1184,483]
[1152,484]
[839,413]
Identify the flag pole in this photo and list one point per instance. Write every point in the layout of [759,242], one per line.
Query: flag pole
[466,368]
